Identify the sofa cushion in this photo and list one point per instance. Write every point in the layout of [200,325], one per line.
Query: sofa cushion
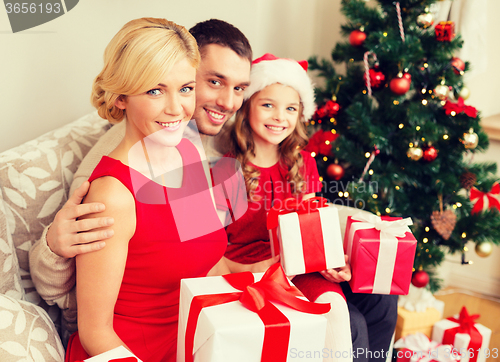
[35,178]
[34,181]
[10,279]
[27,333]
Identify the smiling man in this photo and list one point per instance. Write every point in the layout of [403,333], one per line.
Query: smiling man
[221,80]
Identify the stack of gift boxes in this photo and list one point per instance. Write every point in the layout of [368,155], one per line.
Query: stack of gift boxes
[458,338]
[238,317]
[262,317]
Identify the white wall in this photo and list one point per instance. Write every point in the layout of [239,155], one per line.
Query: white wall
[46,72]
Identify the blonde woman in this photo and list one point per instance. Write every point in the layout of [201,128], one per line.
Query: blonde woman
[128,292]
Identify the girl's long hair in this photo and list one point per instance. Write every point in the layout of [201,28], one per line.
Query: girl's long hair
[242,146]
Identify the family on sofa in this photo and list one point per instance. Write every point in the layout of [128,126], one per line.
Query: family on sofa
[170,93]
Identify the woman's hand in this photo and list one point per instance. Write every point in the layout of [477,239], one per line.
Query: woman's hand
[338,275]
[259,267]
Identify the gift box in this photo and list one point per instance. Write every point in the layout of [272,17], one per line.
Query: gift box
[119,354]
[235,318]
[469,338]
[418,347]
[381,253]
[306,235]
[445,31]
[414,322]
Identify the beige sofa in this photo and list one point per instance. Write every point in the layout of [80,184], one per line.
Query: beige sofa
[34,182]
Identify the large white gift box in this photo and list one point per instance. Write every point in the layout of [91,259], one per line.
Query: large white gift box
[231,332]
[308,239]
[118,353]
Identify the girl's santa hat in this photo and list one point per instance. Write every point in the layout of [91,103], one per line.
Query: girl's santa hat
[269,69]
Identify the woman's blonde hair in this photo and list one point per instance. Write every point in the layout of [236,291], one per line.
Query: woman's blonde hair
[137,58]
[242,147]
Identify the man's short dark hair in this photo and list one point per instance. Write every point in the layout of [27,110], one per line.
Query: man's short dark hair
[215,31]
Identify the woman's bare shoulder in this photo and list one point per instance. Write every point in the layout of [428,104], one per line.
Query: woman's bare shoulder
[112,193]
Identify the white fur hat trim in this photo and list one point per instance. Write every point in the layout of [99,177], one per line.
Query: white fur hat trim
[287,72]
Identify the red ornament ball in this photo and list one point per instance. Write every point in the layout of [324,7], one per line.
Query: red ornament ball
[420,279]
[377,78]
[357,38]
[335,171]
[400,85]
[458,65]
[331,108]
[430,154]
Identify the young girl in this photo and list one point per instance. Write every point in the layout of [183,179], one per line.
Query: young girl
[267,138]
[128,292]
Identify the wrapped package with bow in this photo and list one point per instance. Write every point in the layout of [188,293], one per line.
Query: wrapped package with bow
[445,31]
[118,354]
[418,312]
[306,235]
[381,253]
[247,317]
[419,348]
[470,339]
[484,201]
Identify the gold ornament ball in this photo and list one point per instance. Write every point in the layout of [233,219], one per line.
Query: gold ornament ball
[441,91]
[484,249]
[470,140]
[415,153]
[464,93]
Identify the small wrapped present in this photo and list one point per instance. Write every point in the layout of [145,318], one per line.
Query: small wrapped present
[306,235]
[381,253]
[417,312]
[118,354]
[469,338]
[419,348]
[234,318]
[445,31]
[413,322]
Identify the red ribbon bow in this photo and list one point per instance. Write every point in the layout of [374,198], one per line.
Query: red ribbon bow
[466,325]
[481,197]
[294,205]
[460,107]
[321,142]
[256,296]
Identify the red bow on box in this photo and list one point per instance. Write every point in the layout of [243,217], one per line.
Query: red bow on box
[321,142]
[293,205]
[485,199]
[459,107]
[256,296]
[466,325]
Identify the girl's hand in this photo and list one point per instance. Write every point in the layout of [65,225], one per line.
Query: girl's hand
[338,275]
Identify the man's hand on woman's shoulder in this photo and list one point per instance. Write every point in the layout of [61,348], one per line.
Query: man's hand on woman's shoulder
[68,236]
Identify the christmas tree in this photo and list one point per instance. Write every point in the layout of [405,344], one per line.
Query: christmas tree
[393,136]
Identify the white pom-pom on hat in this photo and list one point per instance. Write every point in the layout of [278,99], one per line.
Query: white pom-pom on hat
[268,69]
